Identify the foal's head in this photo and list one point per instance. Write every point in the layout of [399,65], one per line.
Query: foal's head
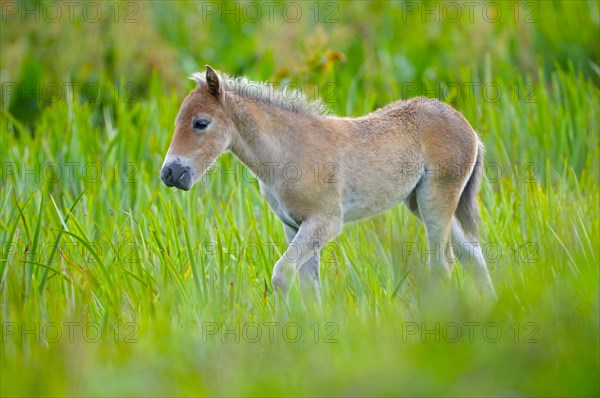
[202,132]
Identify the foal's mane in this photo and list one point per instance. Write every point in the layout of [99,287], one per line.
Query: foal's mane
[287,98]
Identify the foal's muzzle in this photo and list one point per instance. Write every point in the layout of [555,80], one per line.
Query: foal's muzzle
[176,175]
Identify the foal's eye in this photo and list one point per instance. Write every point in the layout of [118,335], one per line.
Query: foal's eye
[200,123]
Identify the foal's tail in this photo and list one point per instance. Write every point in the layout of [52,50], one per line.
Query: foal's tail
[467,211]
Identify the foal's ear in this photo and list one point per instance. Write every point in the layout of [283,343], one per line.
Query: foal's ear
[213,81]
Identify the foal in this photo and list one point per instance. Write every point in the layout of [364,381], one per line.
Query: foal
[421,152]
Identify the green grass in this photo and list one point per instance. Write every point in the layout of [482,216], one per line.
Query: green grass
[91,237]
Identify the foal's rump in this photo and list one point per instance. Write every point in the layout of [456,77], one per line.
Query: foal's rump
[407,144]
[453,156]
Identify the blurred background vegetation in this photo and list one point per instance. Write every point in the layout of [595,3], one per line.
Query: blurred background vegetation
[376,46]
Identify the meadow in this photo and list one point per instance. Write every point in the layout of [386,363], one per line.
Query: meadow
[112,284]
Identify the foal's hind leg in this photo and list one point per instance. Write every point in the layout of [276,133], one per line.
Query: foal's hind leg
[468,252]
[308,272]
[436,206]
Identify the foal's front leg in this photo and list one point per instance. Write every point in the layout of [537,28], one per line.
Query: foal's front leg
[308,272]
[312,235]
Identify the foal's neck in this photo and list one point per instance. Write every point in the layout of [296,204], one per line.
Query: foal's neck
[268,134]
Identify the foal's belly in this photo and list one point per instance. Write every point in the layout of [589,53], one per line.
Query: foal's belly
[368,199]
[359,207]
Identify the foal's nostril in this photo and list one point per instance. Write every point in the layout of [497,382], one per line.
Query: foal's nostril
[166,174]
[185,180]
[176,175]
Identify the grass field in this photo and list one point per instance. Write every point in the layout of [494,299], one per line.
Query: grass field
[111,284]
